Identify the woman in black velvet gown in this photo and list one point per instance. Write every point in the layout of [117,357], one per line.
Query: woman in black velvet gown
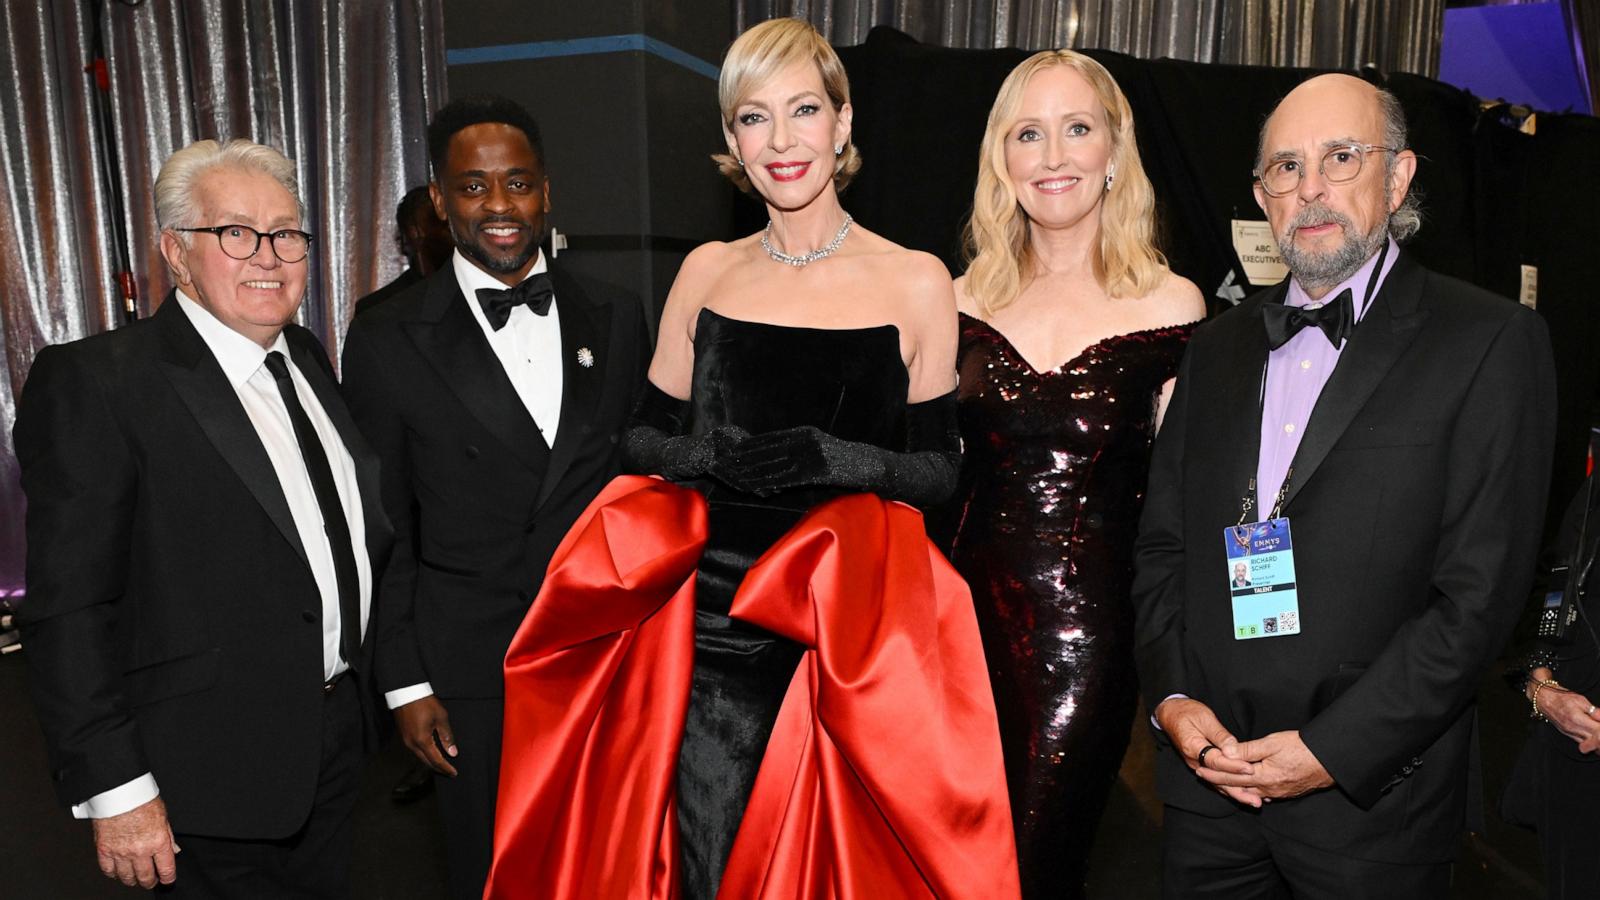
[1070,334]
[806,361]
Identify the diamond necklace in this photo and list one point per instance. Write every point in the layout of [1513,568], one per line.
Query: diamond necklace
[804,258]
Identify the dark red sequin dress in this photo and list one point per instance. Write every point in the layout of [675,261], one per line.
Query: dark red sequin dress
[1044,525]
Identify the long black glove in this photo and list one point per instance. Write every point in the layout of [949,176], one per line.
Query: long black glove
[924,475]
[657,440]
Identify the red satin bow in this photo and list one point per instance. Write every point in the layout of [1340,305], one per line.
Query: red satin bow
[882,777]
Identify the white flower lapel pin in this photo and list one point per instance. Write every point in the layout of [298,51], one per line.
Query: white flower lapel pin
[586,357]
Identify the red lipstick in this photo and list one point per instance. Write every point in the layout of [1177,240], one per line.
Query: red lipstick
[794,170]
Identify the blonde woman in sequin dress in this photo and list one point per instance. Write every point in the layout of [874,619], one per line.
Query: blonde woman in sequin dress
[1071,331]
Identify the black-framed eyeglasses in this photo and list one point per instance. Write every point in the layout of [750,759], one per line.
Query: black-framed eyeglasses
[242,241]
[1340,165]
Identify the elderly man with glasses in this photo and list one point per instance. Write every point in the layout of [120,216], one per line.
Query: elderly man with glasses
[1374,440]
[204,522]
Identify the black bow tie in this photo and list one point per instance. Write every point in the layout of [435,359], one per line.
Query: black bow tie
[1335,318]
[535,292]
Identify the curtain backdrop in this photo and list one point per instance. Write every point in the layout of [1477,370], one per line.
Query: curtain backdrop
[344,87]
[1394,35]
[1583,22]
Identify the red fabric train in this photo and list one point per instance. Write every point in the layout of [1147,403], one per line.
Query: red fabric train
[882,777]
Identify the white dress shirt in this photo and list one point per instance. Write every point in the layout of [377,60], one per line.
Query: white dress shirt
[529,350]
[243,362]
[528,347]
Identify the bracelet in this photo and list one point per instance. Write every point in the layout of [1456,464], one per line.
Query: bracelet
[1548,682]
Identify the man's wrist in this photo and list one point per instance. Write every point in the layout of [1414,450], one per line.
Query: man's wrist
[410,694]
[1153,713]
[120,799]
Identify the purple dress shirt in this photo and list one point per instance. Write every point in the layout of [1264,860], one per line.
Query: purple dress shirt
[1296,374]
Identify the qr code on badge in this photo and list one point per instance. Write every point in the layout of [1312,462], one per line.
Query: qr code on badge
[1289,620]
[1269,625]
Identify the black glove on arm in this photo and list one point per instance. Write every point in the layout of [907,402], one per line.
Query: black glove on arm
[657,440]
[924,475]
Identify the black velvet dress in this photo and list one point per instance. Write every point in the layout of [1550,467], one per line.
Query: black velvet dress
[850,383]
[1045,520]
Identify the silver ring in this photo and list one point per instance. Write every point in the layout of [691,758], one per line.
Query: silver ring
[1200,758]
[1590,710]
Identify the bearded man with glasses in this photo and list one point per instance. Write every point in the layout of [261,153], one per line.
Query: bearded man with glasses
[1379,437]
[204,522]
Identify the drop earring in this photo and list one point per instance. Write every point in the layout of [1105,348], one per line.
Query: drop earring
[1111,174]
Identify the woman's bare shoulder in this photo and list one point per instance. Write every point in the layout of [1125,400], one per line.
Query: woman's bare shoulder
[702,269]
[1175,301]
[964,301]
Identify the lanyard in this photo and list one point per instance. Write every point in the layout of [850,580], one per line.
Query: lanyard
[1249,501]
[1261,399]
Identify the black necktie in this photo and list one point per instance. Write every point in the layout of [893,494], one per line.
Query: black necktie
[1335,318]
[333,520]
[535,292]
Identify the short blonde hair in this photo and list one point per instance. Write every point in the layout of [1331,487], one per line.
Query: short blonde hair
[176,204]
[761,53]
[997,240]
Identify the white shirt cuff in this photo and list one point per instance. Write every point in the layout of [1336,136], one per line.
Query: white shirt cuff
[118,800]
[1163,700]
[401,696]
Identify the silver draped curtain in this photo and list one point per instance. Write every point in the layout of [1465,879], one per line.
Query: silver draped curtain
[1394,35]
[344,87]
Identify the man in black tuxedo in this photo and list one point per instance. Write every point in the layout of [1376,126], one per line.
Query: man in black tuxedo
[204,521]
[1402,422]
[424,240]
[494,392]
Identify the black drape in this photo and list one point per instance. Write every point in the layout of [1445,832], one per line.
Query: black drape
[1494,198]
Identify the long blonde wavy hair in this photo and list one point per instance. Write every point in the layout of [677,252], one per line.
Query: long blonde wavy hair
[998,245]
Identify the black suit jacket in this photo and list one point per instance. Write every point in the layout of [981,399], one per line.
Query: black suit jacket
[389,291]
[171,619]
[1415,508]
[477,499]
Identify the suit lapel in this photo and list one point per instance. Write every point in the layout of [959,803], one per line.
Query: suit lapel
[585,356]
[1244,365]
[450,339]
[200,383]
[1383,335]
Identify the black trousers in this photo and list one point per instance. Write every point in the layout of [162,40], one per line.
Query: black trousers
[466,802]
[1234,857]
[1569,818]
[312,863]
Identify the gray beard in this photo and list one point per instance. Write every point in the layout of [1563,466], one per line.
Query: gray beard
[1324,270]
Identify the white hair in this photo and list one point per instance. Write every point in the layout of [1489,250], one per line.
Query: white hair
[176,204]
[1406,220]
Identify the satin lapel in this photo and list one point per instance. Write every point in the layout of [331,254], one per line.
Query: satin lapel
[585,329]
[378,530]
[1383,335]
[450,340]
[1244,361]
[198,379]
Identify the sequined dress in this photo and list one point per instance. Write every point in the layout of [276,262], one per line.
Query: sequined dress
[1044,525]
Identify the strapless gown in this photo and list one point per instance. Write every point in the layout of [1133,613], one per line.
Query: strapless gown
[758,697]
[1044,526]
[850,383]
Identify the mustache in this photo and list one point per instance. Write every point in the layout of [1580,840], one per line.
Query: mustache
[1318,214]
[500,220]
